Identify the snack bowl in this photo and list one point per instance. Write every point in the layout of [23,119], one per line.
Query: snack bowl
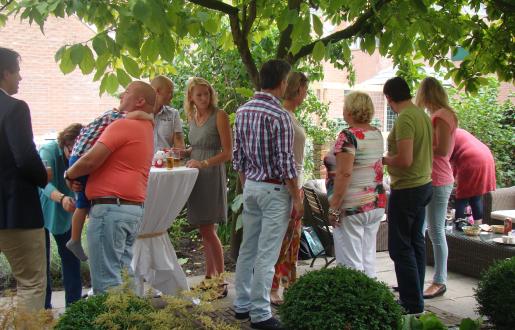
[498,229]
[471,230]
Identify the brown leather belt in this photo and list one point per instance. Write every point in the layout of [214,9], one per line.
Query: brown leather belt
[112,200]
[274,181]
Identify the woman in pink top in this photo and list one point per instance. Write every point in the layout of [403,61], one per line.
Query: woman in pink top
[474,170]
[433,97]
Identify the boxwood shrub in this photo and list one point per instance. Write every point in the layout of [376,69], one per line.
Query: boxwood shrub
[339,298]
[495,294]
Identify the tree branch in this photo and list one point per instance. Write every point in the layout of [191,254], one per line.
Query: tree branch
[250,18]
[285,39]
[6,4]
[239,34]
[217,5]
[241,41]
[360,24]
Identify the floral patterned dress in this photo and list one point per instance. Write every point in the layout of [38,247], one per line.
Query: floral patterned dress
[365,191]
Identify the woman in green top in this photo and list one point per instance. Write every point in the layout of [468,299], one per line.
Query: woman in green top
[58,207]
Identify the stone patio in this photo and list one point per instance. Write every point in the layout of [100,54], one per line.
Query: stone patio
[457,303]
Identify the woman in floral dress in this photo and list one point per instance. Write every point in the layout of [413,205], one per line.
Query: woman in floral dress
[355,186]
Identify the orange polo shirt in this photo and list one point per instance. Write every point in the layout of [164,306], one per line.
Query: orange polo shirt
[125,172]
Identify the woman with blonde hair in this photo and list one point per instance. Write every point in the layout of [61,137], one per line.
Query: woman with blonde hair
[286,266]
[433,97]
[355,190]
[211,146]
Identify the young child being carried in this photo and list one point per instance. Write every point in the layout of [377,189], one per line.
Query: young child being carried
[87,138]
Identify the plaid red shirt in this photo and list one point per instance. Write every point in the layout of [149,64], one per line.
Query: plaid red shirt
[89,134]
[263,140]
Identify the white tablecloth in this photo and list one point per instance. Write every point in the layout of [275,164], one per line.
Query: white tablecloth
[154,257]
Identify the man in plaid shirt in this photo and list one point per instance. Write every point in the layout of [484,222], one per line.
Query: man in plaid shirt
[263,156]
[87,138]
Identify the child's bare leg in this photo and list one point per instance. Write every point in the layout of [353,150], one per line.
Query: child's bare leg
[74,244]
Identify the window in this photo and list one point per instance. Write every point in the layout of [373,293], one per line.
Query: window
[390,118]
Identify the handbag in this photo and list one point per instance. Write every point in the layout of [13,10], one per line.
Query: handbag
[309,242]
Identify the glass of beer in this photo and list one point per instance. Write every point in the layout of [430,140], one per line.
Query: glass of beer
[169,162]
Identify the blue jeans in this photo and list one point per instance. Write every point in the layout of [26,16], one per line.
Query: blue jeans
[266,212]
[476,204]
[436,211]
[406,213]
[112,231]
[70,270]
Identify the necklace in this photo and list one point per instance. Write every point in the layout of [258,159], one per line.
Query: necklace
[201,119]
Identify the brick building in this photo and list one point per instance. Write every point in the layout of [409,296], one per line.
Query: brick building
[55,100]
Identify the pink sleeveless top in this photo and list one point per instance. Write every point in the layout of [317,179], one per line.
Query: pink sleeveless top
[442,170]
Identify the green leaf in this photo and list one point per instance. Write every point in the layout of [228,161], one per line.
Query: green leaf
[212,25]
[88,62]
[317,25]
[101,65]
[131,66]
[237,202]
[59,53]
[245,92]
[99,44]
[369,44]
[123,78]
[76,53]
[239,222]
[150,50]
[282,20]
[167,49]
[194,29]
[66,64]
[111,84]
[318,51]
[3,19]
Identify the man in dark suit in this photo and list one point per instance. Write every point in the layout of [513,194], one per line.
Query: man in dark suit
[22,238]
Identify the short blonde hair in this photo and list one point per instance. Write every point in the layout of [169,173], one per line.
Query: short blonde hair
[162,81]
[189,107]
[360,107]
[432,93]
[295,81]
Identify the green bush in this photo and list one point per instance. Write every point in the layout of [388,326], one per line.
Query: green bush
[339,298]
[83,313]
[492,122]
[495,294]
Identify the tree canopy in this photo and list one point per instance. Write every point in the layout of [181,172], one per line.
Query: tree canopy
[136,38]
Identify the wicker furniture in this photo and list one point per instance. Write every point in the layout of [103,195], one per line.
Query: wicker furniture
[315,214]
[470,255]
[500,199]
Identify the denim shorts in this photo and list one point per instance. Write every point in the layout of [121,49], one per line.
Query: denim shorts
[81,201]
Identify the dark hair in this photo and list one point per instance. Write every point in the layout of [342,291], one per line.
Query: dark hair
[397,89]
[9,61]
[273,72]
[69,134]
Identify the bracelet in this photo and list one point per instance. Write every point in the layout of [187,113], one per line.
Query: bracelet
[205,163]
[62,198]
[334,213]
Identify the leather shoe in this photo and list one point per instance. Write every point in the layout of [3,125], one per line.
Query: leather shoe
[242,316]
[270,324]
[437,293]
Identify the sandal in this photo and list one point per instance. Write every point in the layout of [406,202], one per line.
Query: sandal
[224,292]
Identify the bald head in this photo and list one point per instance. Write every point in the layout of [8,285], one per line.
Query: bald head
[138,96]
[164,89]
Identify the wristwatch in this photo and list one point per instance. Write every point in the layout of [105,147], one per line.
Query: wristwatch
[335,213]
[66,177]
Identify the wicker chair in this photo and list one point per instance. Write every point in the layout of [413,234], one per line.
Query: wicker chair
[315,214]
[500,199]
